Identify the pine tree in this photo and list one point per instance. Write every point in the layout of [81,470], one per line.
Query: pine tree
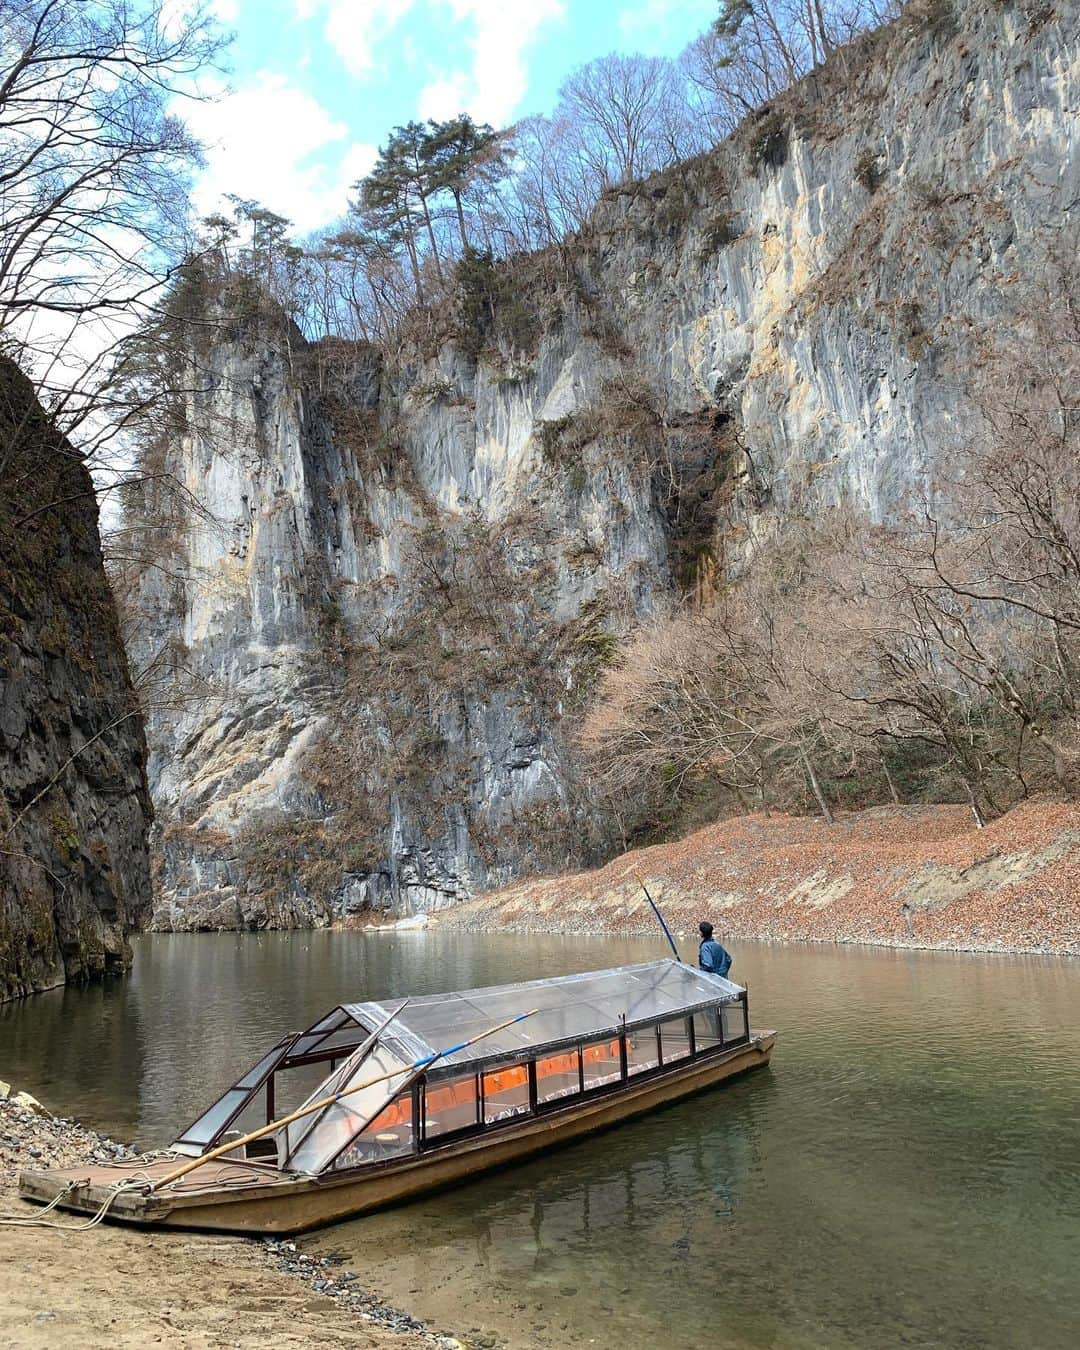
[459,155]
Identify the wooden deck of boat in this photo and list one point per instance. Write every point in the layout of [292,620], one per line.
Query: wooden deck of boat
[220,1175]
[249,1197]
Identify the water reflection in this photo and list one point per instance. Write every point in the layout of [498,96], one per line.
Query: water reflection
[907,1173]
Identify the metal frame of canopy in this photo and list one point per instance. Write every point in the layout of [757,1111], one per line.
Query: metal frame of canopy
[650,993]
[420,1027]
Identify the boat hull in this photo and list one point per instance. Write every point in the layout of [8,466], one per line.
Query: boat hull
[245,1197]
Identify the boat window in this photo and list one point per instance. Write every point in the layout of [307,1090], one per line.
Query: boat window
[558,1075]
[506,1093]
[734,1019]
[675,1039]
[390,1135]
[315,1037]
[255,1076]
[208,1124]
[707,1030]
[345,1038]
[642,1050]
[601,1063]
[450,1105]
[337,1123]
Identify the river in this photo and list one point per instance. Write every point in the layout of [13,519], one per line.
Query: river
[907,1173]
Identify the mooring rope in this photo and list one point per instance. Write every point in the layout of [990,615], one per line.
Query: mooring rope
[137,1182]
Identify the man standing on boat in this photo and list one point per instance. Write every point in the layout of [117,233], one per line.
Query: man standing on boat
[711,956]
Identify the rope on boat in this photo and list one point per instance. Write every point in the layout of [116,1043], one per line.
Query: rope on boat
[132,1183]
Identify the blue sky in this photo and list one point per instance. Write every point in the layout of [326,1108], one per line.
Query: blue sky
[315,85]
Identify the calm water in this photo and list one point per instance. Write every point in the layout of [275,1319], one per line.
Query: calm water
[906,1174]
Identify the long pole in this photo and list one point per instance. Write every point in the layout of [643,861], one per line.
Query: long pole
[425,1062]
[354,1061]
[656,911]
[420,1067]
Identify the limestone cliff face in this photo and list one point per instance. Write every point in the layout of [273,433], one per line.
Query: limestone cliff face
[74,806]
[412,563]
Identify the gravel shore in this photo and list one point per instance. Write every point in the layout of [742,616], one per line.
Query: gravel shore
[129,1287]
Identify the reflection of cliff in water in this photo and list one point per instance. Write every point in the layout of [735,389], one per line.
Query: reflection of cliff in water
[79,1049]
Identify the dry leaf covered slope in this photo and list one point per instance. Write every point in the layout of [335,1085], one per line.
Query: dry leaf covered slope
[897,876]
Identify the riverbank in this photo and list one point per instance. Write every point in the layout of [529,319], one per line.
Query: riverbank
[921,877]
[131,1288]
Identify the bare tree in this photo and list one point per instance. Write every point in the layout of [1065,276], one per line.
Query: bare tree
[630,116]
[92,188]
[757,48]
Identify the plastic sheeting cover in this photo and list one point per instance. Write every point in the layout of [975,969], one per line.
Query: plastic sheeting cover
[570,1006]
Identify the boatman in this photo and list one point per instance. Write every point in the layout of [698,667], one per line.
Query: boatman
[711,956]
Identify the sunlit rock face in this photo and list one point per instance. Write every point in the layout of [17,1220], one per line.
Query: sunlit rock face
[74,805]
[411,567]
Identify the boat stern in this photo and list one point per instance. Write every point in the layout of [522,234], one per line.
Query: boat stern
[120,1191]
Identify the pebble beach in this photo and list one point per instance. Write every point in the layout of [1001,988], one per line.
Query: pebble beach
[130,1287]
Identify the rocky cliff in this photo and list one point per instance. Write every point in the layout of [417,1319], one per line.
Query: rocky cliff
[412,562]
[74,806]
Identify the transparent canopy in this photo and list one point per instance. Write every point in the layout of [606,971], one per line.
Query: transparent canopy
[570,1007]
[312,1143]
[377,1052]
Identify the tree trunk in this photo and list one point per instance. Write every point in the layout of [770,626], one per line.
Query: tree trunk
[888,777]
[410,246]
[823,32]
[431,237]
[811,31]
[461,221]
[980,819]
[816,786]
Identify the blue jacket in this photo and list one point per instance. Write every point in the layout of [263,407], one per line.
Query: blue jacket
[713,958]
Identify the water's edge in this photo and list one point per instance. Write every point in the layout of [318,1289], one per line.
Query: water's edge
[906,1171]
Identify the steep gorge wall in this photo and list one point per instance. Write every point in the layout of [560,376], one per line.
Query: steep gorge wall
[412,564]
[74,805]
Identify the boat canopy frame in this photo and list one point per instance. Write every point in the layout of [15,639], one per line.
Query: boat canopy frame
[572,1010]
[647,992]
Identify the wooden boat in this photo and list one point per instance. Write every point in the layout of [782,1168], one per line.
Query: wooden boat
[397,1116]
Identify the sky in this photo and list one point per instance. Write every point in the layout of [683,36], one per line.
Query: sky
[314,86]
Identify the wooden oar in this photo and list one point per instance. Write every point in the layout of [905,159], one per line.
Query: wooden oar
[417,1065]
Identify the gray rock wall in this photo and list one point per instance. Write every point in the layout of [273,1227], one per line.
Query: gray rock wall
[74,806]
[413,564]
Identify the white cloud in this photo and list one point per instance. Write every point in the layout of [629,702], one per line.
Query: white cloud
[649,21]
[269,141]
[443,99]
[355,27]
[495,85]
[357,162]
